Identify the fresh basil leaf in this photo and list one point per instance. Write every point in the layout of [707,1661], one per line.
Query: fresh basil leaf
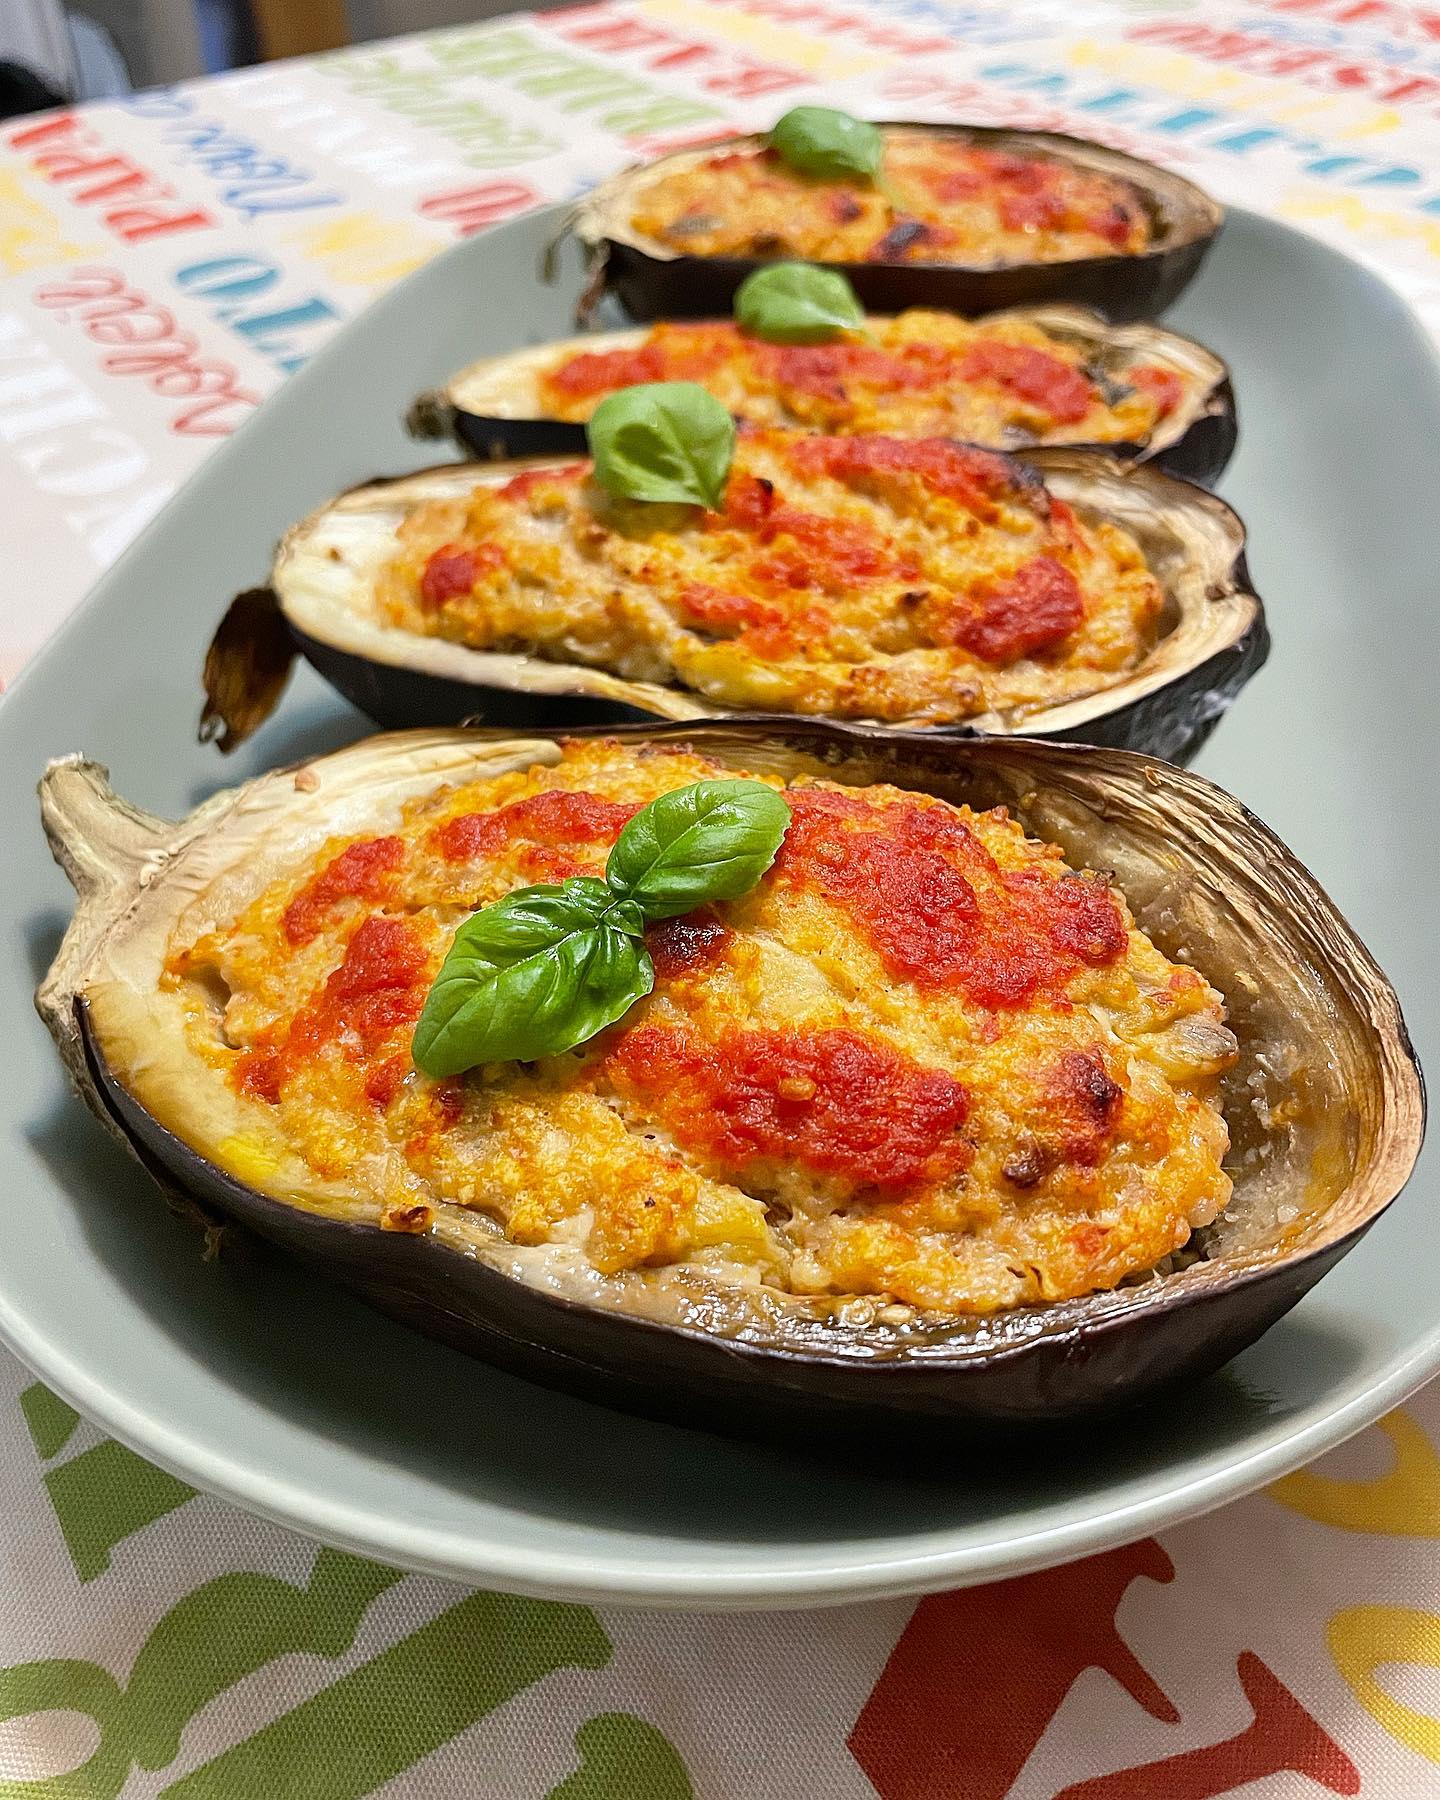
[820,140]
[547,967]
[586,890]
[530,919]
[483,1009]
[797,303]
[663,440]
[712,840]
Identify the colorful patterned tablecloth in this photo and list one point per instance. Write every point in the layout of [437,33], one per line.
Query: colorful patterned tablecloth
[164,263]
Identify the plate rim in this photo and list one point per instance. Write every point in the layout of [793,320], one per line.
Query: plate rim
[843,1571]
[588,1578]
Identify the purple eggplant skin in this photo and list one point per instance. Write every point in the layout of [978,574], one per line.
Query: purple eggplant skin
[1173,723]
[694,1378]
[499,440]
[1123,288]
[1201,456]
[401,699]
[1204,453]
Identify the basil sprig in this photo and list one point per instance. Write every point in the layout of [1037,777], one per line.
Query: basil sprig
[663,440]
[820,140]
[548,967]
[798,303]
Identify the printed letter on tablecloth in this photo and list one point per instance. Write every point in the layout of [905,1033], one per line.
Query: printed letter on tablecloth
[1363,1640]
[623,1758]
[1282,1739]
[1403,1502]
[1006,1654]
[977,1677]
[409,1699]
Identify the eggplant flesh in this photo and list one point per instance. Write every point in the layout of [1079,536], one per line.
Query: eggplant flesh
[652,282]
[1325,1105]
[493,409]
[1212,635]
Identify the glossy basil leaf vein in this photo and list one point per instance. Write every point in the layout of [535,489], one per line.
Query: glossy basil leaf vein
[822,140]
[546,967]
[710,841]
[532,918]
[797,303]
[663,441]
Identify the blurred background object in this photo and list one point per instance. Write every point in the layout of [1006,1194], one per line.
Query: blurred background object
[386,18]
[52,52]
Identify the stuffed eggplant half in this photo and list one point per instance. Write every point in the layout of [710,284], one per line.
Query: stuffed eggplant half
[916,1119]
[907,581]
[1055,375]
[964,217]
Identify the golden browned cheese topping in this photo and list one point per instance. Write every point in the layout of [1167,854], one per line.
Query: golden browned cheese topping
[938,200]
[860,577]
[923,1060]
[1003,383]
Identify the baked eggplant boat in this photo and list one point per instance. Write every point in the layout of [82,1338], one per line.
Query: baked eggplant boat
[1041,375]
[965,217]
[900,580]
[914,1121]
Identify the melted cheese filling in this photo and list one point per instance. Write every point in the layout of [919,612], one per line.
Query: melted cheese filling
[938,200]
[1004,383]
[922,1061]
[897,579]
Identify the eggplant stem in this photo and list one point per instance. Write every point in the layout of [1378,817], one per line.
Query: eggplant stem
[430,416]
[246,668]
[594,289]
[96,837]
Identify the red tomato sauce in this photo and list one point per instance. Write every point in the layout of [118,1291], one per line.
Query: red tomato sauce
[749,500]
[1036,211]
[975,478]
[827,370]
[453,570]
[835,1101]
[936,906]
[522,486]
[1035,608]
[557,819]
[685,945]
[361,872]
[1041,380]
[826,552]
[766,629]
[598,371]
[1112,223]
[671,353]
[379,986]
[1164,386]
[385,1080]
[722,613]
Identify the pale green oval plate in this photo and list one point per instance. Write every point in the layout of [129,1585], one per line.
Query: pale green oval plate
[258,1383]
